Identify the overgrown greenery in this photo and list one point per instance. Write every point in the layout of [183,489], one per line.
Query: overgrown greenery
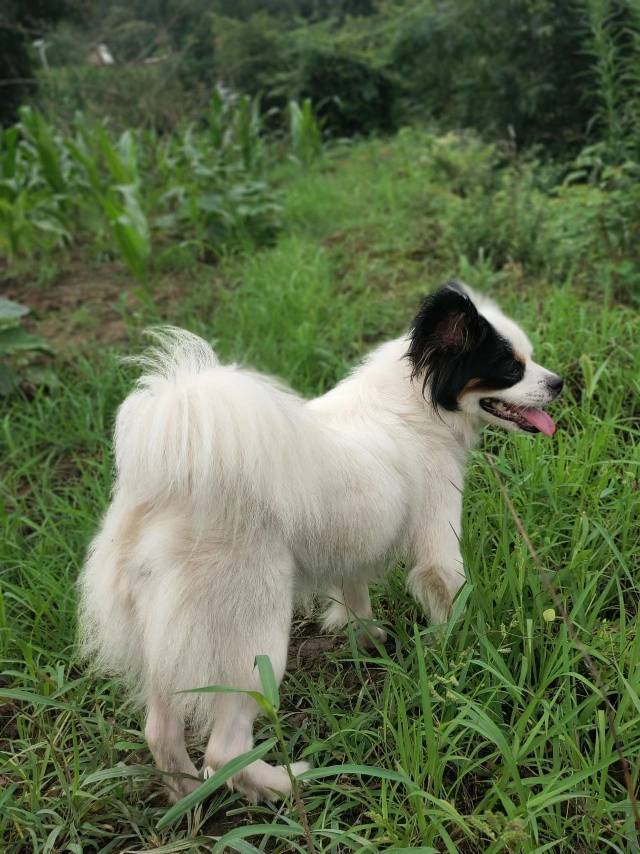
[488,737]
[554,73]
[203,188]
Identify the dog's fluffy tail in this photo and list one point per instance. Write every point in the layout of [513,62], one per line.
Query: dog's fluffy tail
[194,430]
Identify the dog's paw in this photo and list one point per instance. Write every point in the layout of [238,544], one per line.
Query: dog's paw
[300,767]
[263,784]
[367,638]
[178,788]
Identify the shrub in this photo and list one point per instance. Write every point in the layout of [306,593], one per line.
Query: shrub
[143,96]
[252,57]
[612,43]
[20,23]
[495,66]
[350,94]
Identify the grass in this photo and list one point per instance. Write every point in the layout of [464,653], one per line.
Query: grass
[495,721]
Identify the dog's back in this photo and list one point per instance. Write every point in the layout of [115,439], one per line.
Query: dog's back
[195,429]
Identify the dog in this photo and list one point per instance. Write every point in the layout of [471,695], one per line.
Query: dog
[235,499]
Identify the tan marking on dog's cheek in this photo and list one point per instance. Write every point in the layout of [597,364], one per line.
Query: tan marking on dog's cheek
[473,385]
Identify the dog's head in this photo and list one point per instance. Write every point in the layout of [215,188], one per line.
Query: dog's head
[469,357]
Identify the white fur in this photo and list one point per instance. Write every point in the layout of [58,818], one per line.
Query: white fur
[234,499]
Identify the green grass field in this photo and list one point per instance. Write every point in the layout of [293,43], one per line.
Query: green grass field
[495,725]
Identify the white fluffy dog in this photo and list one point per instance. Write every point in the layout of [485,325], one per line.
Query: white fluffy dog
[234,498]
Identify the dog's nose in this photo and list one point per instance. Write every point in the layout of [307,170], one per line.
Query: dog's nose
[555,384]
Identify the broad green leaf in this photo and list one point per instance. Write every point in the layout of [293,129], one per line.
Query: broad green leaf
[268,680]
[8,151]
[260,699]
[15,338]
[134,247]
[358,770]
[119,772]
[33,699]
[9,309]
[8,380]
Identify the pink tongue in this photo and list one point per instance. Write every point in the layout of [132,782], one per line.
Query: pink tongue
[539,419]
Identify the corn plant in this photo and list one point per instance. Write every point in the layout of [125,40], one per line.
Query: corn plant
[112,177]
[235,129]
[304,132]
[31,209]
[203,186]
[38,132]
[216,191]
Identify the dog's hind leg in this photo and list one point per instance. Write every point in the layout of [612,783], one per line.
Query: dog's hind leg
[260,627]
[164,732]
[350,602]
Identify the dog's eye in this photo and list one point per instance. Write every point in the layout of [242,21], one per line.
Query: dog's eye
[515,372]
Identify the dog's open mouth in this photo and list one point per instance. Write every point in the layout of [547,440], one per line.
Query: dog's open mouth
[527,418]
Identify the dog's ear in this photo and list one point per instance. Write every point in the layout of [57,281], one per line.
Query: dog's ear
[446,329]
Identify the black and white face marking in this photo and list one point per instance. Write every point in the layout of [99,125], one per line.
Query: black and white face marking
[471,358]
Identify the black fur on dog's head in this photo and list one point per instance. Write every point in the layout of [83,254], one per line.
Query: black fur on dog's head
[452,347]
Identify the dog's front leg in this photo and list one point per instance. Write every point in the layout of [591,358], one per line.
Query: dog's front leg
[438,571]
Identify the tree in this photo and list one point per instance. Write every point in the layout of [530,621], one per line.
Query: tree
[21,22]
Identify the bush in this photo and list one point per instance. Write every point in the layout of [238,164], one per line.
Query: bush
[612,43]
[15,65]
[143,96]
[517,65]
[510,214]
[252,57]
[350,95]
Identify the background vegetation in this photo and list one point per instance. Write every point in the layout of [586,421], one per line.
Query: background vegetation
[287,179]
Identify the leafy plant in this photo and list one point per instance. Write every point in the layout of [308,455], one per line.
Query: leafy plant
[205,186]
[31,213]
[304,132]
[111,172]
[613,46]
[15,344]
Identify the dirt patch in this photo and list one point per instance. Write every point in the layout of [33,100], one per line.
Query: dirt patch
[82,305]
[305,652]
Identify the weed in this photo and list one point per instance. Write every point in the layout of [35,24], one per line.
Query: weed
[16,344]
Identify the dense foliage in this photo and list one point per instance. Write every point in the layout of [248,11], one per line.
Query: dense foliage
[550,72]
[20,23]
[202,189]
